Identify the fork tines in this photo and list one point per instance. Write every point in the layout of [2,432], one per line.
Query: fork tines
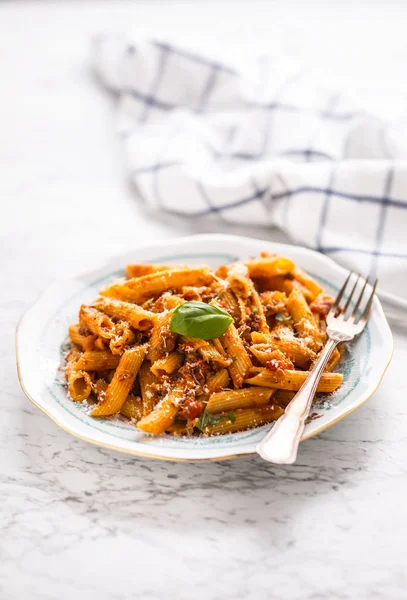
[345,313]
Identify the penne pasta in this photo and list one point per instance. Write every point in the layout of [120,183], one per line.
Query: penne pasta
[162,340]
[97,322]
[335,358]
[175,375]
[167,365]
[282,338]
[265,354]
[233,399]
[141,270]
[307,281]
[227,300]
[238,278]
[273,302]
[250,306]
[180,429]
[303,318]
[123,338]
[166,302]
[267,284]
[244,309]
[245,418]
[141,288]
[79,386]
[163,414]
[258,311]
[122,382]
[132,407]
[190,292]
[241,363]
[97,360]
[218,381]
[135,315]
[101,343]
[147,382]
[260,338]
[284,397]
[71,360]
[269,266]
[79,382]
[208,350]
[290,284]
[293,380]
[86,342]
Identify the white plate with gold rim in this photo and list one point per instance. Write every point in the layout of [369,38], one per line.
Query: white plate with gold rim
[42,338]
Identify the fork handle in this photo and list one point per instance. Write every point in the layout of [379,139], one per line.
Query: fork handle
[281,444]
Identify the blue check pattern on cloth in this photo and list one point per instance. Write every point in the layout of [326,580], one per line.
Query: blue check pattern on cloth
[261,145]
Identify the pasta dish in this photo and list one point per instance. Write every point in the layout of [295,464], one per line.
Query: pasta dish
[187,350]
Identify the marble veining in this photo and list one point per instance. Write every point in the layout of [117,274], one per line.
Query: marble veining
[82,522]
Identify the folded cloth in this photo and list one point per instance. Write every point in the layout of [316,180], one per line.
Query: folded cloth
[262,144]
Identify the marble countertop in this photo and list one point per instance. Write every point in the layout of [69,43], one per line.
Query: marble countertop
[86,523]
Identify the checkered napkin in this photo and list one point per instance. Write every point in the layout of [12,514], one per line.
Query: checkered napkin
[261,144]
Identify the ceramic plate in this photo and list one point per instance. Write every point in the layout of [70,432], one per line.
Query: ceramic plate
[42,342]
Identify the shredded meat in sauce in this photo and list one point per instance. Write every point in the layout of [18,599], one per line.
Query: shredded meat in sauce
[322,304]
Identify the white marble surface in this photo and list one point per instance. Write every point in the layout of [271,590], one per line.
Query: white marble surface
[85,523]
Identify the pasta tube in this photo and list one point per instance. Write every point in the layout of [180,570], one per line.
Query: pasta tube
[227,300]
[307,281]
[147,382]
[284,397]
[122,382]
[241,363]
[163,414]
[141,288]
[79,385]
[135,315]
[97,322]
[87,342]
[270,266]
[79,382]
[132,408]
[233,399]
[293,380]
[124,337]
[208,350]
[265,354]
[141,270]
[303,319]
[167,365]
[238,278]
[97,360]
[245,418]
[218,381]
[162,340]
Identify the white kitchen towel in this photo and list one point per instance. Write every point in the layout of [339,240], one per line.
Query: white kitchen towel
[262,144]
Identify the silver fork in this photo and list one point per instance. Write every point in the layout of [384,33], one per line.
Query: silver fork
[281,444]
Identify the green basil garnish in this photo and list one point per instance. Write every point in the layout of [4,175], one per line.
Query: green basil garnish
[200,320]
[280,317]
[232,416]
[206,419]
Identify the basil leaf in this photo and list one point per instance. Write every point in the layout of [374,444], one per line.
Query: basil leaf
[280,317]
[232,416]
[200,320]
[207,419]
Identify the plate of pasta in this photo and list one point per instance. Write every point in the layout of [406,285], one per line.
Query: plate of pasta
[192,348]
